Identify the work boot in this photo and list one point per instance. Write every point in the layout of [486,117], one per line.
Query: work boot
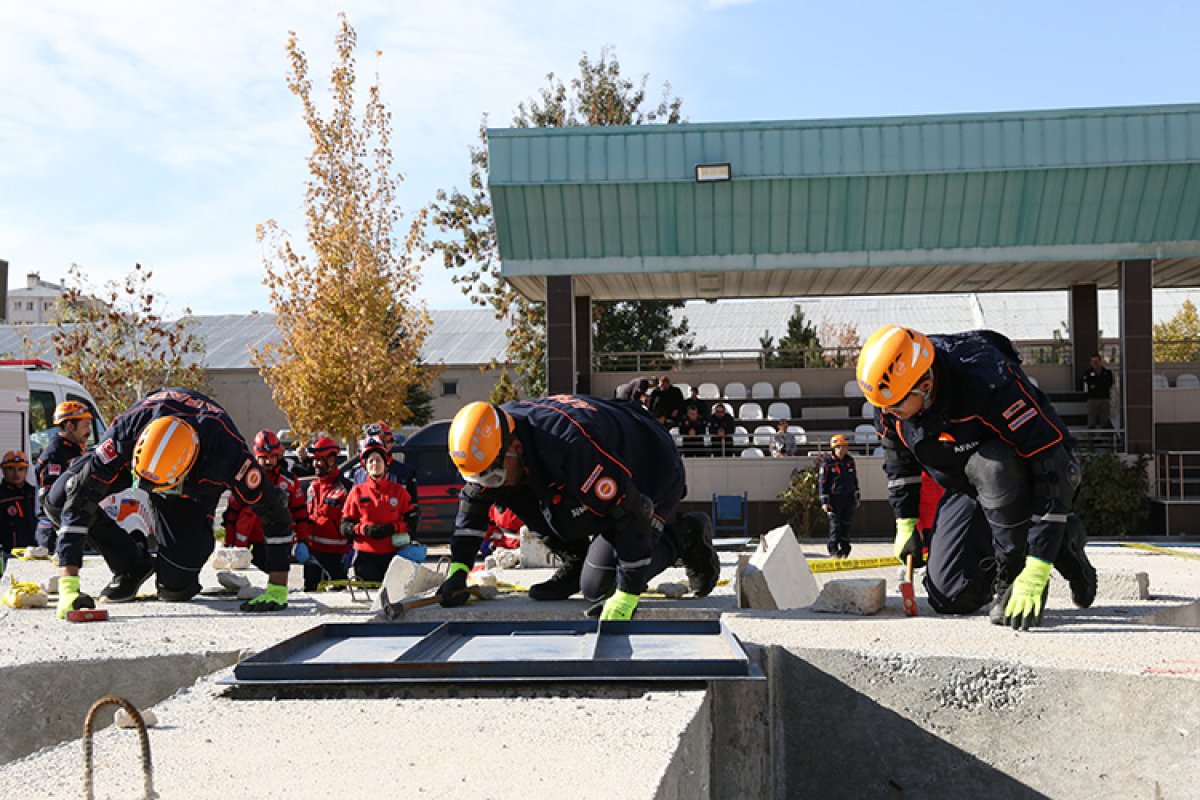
[564,582]
[693,542]
[1072,563]
[123,588]
[1007,570]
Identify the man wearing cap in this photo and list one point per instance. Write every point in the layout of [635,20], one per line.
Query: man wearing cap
[74,421]
[16,505]
[599,479]
[184,451]
[960,407]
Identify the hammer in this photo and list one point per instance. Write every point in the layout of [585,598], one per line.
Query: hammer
[906,589]
[395,611]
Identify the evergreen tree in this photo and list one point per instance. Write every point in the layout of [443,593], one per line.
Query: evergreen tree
[1178,339]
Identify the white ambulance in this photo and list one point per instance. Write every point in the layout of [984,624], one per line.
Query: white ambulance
[29,391]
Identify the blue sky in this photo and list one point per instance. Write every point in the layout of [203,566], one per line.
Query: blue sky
[162,132]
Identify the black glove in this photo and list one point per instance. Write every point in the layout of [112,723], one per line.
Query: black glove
[347,528]
[383,531]
[915,546]
[453,591]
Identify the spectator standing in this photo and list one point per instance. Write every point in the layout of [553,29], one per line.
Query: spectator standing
[74,421]
[666,403]
[636,391]
[837,481]
[1098,383]
[720,430]
[692,428]
[326,495]
[378,515]
[783,441]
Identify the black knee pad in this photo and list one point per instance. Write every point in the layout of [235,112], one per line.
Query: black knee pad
[999,477]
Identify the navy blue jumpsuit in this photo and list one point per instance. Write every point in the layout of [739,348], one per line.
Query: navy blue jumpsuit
[994,442]
[838,488]
[601,476]
[52,462]
[184,526]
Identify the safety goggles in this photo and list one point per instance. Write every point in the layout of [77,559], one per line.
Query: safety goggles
[493,476]
[146,486]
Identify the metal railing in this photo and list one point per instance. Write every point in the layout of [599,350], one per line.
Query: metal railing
[661,361]
[1177,475]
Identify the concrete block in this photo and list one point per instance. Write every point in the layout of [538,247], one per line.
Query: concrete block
[249,592]
[231,558]
[1111,585]
[123,720]
[232,581]
[50,585]
[861,596]
[405,578]
[535,554]
[673,591]
[776,576]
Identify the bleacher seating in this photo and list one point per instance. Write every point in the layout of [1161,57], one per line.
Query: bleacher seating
[762,391]
[728,408]
[741,437]
[850,389]
[1161,382]
[762,435]
[709,391]
[865,434]
[752,452]
[750,411]
[868,411]
[676,436]
[735,391]
[779,410]
[801,434]
[789,389]
[1187,380]
[686,388]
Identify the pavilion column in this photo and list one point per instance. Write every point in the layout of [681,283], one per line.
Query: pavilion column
[583,345]
[1136,281]
[1085,328]
[560,334]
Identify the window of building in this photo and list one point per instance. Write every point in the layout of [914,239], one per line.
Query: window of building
[449,388]
[29,306]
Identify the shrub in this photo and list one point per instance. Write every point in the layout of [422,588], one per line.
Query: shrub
[1112,499]
[801,505]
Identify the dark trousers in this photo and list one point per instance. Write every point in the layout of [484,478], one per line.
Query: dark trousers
[841,515]
[599,578]
[324,567]
[46,534]
[962,565]
[371,566]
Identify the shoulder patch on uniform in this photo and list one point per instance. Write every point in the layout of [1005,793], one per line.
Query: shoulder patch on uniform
[587,485]
[106,451]
[253,478]
[1021,420]
[606,488]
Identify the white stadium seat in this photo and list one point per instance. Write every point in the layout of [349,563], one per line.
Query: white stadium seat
[850,389]
[735,391]
[1187,380]
[762,435]
[751,411]
[762,391]
[778,410]
[752,452]
[709,391]
[800,433]
[741,437]
[1161,382]
[789,389]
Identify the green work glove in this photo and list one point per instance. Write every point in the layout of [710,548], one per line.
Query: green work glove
[1028,595]
[908,541]
[453,591]
[619,607]
[274,598]
[69,596]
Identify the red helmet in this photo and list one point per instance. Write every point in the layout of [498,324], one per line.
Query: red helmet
[373,444]
[266,443]
[381,431]
[323,447]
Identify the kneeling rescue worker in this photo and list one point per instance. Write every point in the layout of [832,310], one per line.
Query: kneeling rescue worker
[599,480]
[960,406]
[184,451]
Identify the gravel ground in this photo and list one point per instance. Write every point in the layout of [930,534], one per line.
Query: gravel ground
[210,746]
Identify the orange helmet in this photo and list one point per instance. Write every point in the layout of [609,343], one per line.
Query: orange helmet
[479,438]
[14,458]
[68,410]
[837,440]
[165,451]
[893,360]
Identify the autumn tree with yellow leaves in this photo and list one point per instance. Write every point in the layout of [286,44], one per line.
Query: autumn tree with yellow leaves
[1178,339]
[351,328]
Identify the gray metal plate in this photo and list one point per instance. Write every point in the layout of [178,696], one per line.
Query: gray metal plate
[585,650]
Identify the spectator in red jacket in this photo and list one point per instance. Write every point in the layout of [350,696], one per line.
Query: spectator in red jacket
[377,515]
[329,549]
[243,528]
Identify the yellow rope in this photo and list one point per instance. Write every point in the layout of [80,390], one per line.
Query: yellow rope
[1167,551]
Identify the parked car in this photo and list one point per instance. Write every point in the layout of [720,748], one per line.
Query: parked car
[438,480]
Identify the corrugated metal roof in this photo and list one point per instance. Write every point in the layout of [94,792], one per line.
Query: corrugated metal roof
[994,202]
[467,336]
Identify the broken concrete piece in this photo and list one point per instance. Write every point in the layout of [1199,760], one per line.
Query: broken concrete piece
[861,596]
[672,590]
[405,578]
[248,593]
[777,575]
[50,585]
[506,559]
[231,558]
[123,720]
[485,578]
[26,599]
[1110,585]
[535,554]
[232,581]
[36,551]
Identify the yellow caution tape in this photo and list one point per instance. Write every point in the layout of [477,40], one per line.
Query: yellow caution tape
[23,554]
[1164,550]
[844,564]
[14,597]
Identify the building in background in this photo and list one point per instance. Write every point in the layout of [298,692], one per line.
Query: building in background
[33,303]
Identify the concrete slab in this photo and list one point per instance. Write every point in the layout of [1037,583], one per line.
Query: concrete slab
[776,576]
[861,596]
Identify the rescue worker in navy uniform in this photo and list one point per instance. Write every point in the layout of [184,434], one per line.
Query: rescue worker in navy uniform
[74,421]
[600,480]
[960,406]
[184,451]
[837,487]
[16,505]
